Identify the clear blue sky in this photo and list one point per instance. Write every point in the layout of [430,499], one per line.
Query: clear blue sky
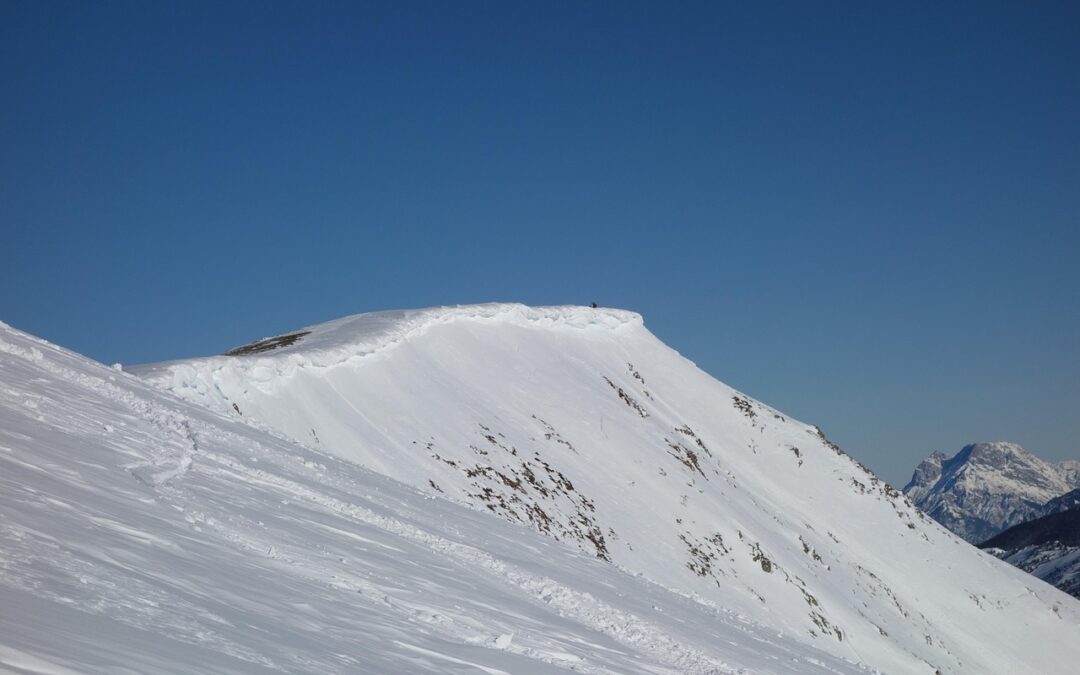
[865,214]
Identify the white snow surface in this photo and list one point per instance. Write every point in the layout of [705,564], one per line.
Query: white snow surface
[143,534]
[494,488]
[579,424]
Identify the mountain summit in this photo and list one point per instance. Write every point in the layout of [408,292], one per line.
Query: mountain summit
[492,488]
[987,487]
[579,425]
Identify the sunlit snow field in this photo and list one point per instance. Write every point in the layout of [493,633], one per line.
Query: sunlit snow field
[480,489]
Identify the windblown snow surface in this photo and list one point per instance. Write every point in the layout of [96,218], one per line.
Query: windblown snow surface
[491,488]
[142,534]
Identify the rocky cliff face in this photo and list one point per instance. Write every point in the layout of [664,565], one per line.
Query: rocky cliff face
[925,477]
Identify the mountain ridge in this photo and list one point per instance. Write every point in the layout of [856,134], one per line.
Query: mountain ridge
[568,431]
[140,532]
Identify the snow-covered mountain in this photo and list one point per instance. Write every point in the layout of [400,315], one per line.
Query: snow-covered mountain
[579,424]
[1001,497]
[336,500]
[143,534]
[988,487]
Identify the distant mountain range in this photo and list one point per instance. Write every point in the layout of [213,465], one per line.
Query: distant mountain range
[1009,502]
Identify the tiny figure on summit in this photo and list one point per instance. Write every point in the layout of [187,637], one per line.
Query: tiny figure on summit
[593,305]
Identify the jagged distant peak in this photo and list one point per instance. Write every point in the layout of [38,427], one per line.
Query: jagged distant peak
[926,475]
[987,487]
[994,453]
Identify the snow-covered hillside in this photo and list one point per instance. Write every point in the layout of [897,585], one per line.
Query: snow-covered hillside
[579,424]
[143,534]
[988,487]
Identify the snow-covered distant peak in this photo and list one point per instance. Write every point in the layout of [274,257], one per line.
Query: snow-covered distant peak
[926,475]
[986,487]
[996,454]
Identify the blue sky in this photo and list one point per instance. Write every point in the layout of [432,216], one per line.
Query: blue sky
[865,214]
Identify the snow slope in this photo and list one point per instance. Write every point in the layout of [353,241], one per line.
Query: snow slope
[579,424]
[988,487]
[143,534]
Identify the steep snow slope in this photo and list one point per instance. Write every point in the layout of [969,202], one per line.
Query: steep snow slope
[582,425]
[139,533]
[987,487]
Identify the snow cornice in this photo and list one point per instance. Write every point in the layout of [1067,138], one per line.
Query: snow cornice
[360,335]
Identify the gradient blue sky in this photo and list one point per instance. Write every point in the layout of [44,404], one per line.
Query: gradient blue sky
[865,214]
